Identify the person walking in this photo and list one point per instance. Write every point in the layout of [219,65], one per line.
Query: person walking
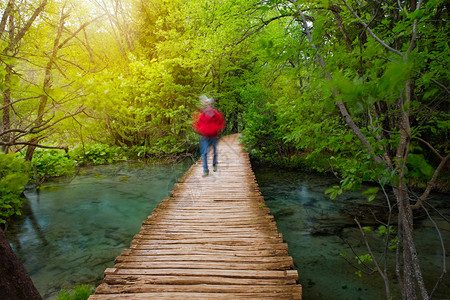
[208,123]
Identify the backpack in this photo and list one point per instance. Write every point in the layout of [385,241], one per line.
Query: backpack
[209,123]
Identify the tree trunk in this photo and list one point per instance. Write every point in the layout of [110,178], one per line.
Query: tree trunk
[412,275]
[15,283]
[46,85]
[6,121]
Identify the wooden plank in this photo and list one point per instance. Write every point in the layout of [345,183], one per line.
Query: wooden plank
[285,260]
[194,288]
[214,218]
[211,229]
[257,274]
[142,239]
[202,212]
[205,296]
[189,247]
[203,251]
[187,279]
[205,265]
[247,223]
[151,234]
[211,207]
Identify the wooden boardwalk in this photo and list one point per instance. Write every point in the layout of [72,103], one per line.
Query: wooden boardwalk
[213,238]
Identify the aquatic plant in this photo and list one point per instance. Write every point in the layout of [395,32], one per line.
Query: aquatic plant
[81,292]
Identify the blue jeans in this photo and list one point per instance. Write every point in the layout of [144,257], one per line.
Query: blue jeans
[205,144]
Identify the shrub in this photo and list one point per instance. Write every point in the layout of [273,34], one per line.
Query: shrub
[13,178]
[97,154]
[51,163]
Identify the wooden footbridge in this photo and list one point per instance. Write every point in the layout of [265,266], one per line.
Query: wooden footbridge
[213,238]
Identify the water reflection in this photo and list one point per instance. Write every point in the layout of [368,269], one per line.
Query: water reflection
[74,229]
[315,229]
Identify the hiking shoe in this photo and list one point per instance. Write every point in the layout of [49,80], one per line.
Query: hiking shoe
[205,173]
[214,169]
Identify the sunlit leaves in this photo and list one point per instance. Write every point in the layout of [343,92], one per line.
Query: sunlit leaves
[13,178]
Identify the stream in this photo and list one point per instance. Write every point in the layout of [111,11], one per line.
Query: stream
[74,228]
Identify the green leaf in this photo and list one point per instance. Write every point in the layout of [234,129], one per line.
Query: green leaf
[371,193]
[367,228]
[333,192]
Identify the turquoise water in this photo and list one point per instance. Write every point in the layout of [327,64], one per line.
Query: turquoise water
[75,228]
[315,228]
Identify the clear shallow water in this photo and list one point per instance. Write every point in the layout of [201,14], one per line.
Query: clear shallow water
[74,229]
[303,214]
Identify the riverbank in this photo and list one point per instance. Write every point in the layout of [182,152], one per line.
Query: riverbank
[321,165]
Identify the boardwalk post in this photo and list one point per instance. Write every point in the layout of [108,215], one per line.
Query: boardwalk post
[213,238]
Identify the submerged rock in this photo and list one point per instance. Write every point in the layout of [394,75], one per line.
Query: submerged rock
[284,212]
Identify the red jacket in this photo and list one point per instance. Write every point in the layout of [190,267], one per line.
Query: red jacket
[209,123]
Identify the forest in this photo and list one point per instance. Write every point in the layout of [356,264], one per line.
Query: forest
[355,88]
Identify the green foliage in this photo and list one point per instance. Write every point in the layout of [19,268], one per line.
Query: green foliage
[383,230]
[367,228]
[13,178]
[97,154]
[364,258]
[140,152]
[151,108]
[371,193]
[334,191]
[52,163]
[356,170]
[418,168]
[262,134]
[100,154]
[393,239]
[81,292]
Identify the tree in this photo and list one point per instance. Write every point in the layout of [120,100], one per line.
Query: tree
[15,282]
[49,70]
[55,60]
[16,21]
[376,60]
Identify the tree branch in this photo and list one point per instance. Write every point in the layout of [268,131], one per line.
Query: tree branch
[18,100]
[264,24]
[371,32]
[35,145]
[5,17]
[27,26]
[412,43]
[377,267]
[41,127]
[429,146]
[82,27]
[371,270]
[444,264]
[431,183]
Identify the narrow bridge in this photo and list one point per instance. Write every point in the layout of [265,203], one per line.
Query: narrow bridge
[213,238]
